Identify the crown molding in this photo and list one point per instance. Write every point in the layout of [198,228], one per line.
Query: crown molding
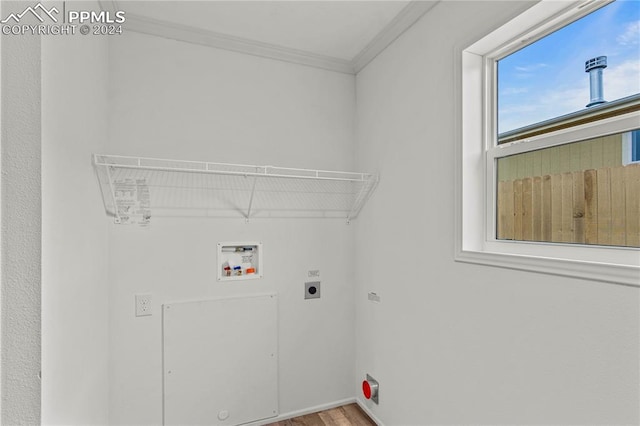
[236,44]
[408,16]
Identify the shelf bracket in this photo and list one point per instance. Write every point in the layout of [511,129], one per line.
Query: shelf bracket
[253,191]
[364,193]
[113,196]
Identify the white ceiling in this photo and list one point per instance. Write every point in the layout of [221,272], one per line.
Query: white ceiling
[340,35]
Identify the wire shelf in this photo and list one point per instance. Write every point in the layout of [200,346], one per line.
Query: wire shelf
[161,187]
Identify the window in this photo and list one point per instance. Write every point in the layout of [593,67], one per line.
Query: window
[631,147]
[544,171]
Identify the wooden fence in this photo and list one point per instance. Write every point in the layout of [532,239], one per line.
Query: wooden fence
[599,206]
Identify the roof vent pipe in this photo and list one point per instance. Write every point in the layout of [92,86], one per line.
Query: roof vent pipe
[594,67]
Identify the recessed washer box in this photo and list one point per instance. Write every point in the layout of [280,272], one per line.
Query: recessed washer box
[239,261]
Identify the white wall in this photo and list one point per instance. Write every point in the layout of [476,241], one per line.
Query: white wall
[454,343]
[74,239]
[170,99]
[21,231]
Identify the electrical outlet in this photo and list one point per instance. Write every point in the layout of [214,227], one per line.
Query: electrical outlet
[144,305]
[312,290]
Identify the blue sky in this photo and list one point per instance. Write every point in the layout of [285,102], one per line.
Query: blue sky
[547,79]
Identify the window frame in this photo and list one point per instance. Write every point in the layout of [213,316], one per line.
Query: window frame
[478,150]
[627,148]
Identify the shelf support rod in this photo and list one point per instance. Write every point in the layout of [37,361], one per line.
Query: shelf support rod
[355,208]
[361,198]
[113,196]
[253,191]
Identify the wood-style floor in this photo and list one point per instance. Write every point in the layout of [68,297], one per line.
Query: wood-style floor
[347,415]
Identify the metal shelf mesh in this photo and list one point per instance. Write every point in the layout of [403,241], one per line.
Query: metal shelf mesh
[189,188]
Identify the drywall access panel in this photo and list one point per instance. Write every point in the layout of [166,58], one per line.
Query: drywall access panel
[135,189]
[220,361]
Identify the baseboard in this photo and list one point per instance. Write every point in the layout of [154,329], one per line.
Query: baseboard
[369,413]
[292,414]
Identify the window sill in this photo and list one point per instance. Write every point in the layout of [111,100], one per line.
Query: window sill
[594,271]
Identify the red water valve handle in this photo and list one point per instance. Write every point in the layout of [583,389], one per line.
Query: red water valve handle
[366,389]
